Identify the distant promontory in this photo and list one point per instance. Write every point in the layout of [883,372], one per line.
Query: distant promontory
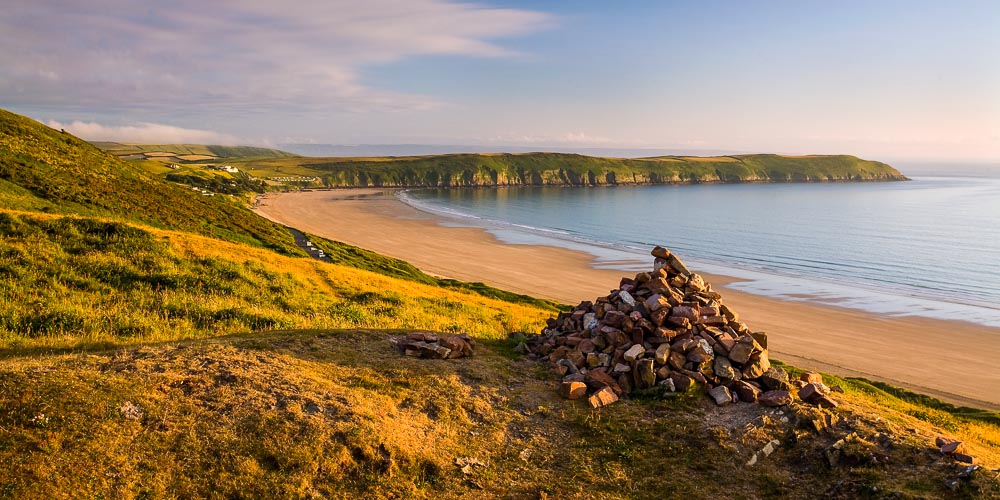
[560,169]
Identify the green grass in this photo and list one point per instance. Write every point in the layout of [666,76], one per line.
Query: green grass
[122,149]
[342,253]
[258,372]
[44,170]
[75,282]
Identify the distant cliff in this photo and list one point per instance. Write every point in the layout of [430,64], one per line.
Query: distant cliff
[557,169]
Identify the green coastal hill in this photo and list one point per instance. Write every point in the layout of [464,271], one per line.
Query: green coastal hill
[560,169]
[159,343]
[183,153]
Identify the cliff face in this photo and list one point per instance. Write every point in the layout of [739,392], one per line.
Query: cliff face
[552,169]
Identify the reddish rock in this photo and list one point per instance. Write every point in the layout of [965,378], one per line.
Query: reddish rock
[711,320]
[614,319]
[658,284]
[941,441]
[729,314]
[698,356]
[727,342]
[746,391]
[660,253]
[635,352]
[776,378]
[951,447]
[724,369]
[598,379]
[812,392]
[681,381]
[757,365]
[453,342]
[659,316]
[645,373]
[696,376]
[665,333]
[677,265]
[574,390]
[586,346]
[721,395]
[688,312]
[676,360]
[602,397]
[656,302]
[775,398]
[743,349]
[678,321]
[696,283]
[708,311]
[662,354]
[811,377]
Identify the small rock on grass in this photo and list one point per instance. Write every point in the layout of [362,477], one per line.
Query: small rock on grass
[602,397]
[573,390]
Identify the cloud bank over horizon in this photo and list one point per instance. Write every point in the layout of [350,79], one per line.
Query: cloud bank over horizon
[784,77]
[146,133]
[230,55]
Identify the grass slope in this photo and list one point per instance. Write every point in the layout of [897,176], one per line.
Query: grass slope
[125,149]
[145,353]
[571,169]
[78,282]
[340,414]
[44,170]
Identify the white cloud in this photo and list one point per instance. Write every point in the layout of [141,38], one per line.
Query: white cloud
[305,56]
[144,133]
[567,138]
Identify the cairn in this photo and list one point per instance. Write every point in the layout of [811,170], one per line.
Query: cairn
[664,329]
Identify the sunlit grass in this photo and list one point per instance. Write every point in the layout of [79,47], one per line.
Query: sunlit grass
[70,282]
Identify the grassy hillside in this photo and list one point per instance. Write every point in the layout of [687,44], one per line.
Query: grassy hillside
[156,343]
[187,152]
[80,282]
[340,414]
[44,170]
[570,169]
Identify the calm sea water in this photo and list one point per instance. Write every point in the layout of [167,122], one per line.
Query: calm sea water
[929,247]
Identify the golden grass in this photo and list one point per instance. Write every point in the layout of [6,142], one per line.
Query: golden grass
[341,414]
[148,284]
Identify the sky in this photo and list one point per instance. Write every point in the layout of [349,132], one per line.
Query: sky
[884,80]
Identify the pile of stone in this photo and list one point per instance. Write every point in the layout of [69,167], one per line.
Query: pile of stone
[435,346]
[667,330]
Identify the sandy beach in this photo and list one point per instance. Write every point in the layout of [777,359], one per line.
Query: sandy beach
[951,360]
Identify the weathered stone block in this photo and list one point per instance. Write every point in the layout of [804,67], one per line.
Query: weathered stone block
[573,390]
[603,397]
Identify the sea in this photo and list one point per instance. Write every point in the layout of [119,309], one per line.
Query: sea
[928,247]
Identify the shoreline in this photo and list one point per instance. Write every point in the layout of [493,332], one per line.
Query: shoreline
[930,356]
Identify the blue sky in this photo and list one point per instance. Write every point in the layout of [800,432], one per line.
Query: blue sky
[884,80]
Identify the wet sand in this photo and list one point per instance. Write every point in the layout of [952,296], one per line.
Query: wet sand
[951,360]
